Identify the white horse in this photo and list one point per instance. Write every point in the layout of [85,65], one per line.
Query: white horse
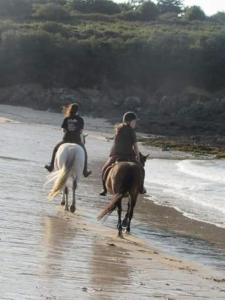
[68,168]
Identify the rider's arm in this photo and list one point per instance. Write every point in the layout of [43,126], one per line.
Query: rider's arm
[136,151]
[81,129]
[64,125]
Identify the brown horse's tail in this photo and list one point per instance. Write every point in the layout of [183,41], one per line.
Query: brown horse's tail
[110,207]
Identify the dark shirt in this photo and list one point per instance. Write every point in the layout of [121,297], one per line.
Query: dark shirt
[72,126]
[124,141]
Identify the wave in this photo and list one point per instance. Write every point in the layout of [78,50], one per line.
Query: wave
[15,159]
[210,170]
[194,187]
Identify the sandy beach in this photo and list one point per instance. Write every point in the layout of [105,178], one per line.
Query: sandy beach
[48,253]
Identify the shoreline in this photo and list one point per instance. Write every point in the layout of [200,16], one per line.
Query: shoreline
[179,145]
[166,217]
[132,266]
[197,149]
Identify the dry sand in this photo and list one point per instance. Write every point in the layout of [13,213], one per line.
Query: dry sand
[79,258]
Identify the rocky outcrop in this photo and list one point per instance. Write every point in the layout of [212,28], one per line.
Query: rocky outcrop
[188,112]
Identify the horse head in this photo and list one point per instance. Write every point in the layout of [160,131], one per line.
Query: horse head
[143,158]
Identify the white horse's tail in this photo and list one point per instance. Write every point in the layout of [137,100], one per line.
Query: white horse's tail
[60,177]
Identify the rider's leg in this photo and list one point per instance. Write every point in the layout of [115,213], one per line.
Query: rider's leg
[104,190]
[108,163]
[86,172]
[50,167]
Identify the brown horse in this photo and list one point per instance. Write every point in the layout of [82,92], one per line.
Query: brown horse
[124,180]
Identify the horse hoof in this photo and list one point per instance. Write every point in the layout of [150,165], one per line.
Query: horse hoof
[63,203]
[124,223]
[120,234]
[72,209]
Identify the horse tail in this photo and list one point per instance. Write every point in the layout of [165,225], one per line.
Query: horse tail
[111,206]
[60,178]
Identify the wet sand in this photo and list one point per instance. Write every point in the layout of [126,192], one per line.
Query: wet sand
[51,254]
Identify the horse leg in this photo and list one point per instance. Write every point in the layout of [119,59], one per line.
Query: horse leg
[132,202]
[73,206]
[124,223]
[119,224]
[67,198]
[65,192]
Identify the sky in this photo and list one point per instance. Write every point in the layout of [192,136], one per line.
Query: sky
[210,7]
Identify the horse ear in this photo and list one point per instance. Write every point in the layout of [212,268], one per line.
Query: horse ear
[147,156]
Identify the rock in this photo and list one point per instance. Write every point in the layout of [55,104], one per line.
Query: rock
[132,103]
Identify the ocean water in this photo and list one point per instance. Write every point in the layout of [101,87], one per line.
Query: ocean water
[194,187]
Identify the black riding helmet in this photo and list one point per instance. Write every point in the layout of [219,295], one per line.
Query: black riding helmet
[129,116]
[74,107]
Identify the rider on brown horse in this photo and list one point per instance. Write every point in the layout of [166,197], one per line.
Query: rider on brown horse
[124,148]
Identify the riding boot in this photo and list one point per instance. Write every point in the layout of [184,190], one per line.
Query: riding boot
[86,172]
[50,167]
[104,191]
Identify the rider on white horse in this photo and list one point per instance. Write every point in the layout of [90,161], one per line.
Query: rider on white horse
[73,126]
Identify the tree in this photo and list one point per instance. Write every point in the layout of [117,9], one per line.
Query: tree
[148,11]
[124,7]
[166,6]
[218,17]
[194,13]
[95,6]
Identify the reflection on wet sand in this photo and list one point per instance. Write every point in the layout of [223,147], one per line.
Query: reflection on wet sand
[108,269]
[59,233]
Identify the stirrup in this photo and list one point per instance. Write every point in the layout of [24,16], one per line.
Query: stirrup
[103,193]
[49,168]
[87,173]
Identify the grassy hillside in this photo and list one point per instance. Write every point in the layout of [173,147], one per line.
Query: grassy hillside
[170,69]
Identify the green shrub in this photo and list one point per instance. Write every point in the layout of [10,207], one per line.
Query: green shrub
[95,6]
[15,8]
[50,11]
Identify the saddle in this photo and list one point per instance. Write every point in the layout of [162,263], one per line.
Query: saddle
[108,169]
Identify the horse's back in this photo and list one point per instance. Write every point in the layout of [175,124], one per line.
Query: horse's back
[70,147]
[122,168]
[124,176]
[69,153]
